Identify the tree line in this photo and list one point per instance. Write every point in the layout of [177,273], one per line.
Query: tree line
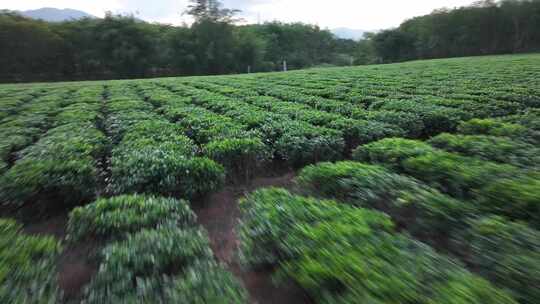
[485,27]
[124,47]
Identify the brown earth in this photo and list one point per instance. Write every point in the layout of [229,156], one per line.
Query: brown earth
[220,216]
[75,267]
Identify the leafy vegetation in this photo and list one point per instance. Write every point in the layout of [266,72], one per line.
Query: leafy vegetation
[117,216]
[159,265]
[419,181]
[27,266]
[316,244]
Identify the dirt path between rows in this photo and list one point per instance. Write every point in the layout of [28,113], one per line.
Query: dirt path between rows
[220,217]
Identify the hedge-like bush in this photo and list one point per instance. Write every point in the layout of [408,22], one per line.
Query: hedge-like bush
[341,254]
[299,143]
[391,151]
[359,132]
[110,218]
[436,119]
[71,141]
[494,148]
[34,180]
[420,209]
[515,197]
[205,283]
[27,266]
[156,170]
[411,123]
[160,266]
[457,175]
[240,157]
[491,127]
[269,215]
[506,253]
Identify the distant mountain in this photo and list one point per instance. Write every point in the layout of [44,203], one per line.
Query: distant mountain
[55,14]
[347,33]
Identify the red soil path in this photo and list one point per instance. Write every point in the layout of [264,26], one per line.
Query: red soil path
[219,216]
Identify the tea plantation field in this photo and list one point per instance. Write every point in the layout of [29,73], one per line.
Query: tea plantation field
[416,182]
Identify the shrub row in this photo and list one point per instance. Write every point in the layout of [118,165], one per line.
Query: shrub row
[27,266]
[296,142]
[153,157]
[497,188]
[342,254]
[62,165]
[355,132]
[491,148]
[113,218]
[419,209]
[157,256]
[28,119]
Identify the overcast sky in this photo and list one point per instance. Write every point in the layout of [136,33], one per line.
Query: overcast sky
[356,14]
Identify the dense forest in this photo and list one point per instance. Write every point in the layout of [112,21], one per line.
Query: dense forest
[125,47]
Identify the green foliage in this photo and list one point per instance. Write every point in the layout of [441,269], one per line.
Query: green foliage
[114,217]
[499,149]
[205,282]
[31,180]
[391,151]
[358,132]
[491,127]
[240,157]
[436,119]
[514,197]
[163,265]
[410,122]
[27,266]
[270,215]
[463,288]
[341,254]
[457,175]
[300,144]
[156,170]
[420,209]
[507,254]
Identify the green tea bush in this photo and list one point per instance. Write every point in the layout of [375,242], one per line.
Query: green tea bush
[162,265]
[156,131]
[411,123]
[78,113]
[491,127]
[499,149]
[270,215]
[71,141]
[359,132]
[342,254]
[205,282]
[506,253]
[391,151]
[27,266]
[514,197]
[457,175]
[240,157]
[299,143]
[112,218]
[420,209]
[204,126]
[436,119]
[34,180]
[156,170]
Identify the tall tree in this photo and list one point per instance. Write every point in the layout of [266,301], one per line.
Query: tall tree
[212,10]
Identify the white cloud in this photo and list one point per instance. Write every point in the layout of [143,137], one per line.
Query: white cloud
[360,14]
